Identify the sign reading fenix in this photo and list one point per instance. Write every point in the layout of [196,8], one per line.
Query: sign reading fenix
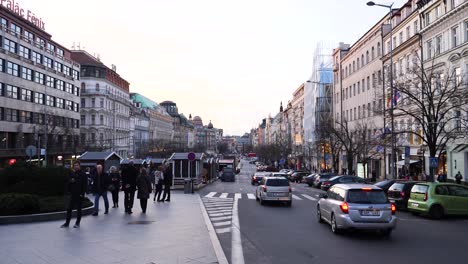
[30,16]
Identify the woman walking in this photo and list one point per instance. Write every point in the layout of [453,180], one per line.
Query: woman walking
[144,188]
[115,185]
[159,180]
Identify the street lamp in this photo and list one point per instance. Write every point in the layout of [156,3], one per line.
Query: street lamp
[392,157]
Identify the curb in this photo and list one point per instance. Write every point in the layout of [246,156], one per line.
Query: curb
[213,237]
[21,219]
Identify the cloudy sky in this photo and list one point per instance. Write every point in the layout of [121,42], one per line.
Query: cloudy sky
[229,61]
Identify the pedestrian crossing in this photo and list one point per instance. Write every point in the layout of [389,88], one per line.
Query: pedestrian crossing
[219,210]
[226,198]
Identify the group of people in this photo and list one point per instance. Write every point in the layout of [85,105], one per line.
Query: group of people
[132,179]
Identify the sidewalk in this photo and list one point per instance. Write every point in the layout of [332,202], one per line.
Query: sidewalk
[172,232]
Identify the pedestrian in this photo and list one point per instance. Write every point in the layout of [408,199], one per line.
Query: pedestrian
[144,188]
[114,188]
[101,182]
[129,176]
[89,180]
[77,186]
[159,180]
[458,177]
[167,183]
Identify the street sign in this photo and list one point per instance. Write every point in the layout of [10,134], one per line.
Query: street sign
[31,151]
[433,162]
[191,156]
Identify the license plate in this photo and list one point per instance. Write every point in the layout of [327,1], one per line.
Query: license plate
[415,204]
[278,194]
[391,200]
[370,212]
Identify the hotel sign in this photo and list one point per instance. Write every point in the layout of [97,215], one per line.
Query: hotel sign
[26,14]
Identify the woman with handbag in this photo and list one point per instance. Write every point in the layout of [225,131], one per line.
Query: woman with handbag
[143,184]
[114,187]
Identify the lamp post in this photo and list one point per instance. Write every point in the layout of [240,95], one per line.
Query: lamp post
[392,157]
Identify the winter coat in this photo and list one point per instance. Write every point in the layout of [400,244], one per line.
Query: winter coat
[115,180]
[100,182]
[144,187]
[129,176]
[78,183]
[168,177]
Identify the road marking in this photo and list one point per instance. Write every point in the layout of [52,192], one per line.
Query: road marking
[224,195]
[225,223]
[220,214]
[211,194]
[309,197]
[213,237]
[211,208]
[219,203]
[223,230]
[221,218]
[251,196]
[296,197]
[237,254]
[237,196]
[219,211]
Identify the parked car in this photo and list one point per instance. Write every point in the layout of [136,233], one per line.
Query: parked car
[279,174]
[321,178]
[258,176]
[385,184]
[274,189]
[341,179]
[228,175]
[438,199]
[310,180]
[357,206]
[399,193]
[298,176]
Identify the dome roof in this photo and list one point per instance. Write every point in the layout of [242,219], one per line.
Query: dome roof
[197,121]
[210,125]
[167,103]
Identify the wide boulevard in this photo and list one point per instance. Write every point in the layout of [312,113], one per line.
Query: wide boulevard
[252,233]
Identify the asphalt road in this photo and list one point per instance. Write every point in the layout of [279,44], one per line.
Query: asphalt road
[278,234]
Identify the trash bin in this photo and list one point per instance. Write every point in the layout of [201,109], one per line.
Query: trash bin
[188,186]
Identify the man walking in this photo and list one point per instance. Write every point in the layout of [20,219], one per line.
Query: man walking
[101,183]
[78,184]
[129,176]
[458,177]
[167,183]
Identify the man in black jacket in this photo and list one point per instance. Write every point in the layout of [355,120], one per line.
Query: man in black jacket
[77,187]
[167,183]
[101,182]
[129,176]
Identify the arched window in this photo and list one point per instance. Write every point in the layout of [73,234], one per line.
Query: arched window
[354,66]
[378,49]
[367,57]
[83,87]
[97,86]
[362,61]
[358,64]
[346,71]
[373,53]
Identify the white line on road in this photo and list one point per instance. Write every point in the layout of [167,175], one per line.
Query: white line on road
[221,218]
[309,197]
[237,196]
[212,208]
[237,253]
[251,196]
[211,194]
[219,211]
[225,223]
[220,214]
[224,195]
[296,197]
[223,230]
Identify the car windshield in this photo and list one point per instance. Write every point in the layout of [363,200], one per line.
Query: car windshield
[277,182]
[366,197]
[382,183]
[419,188]
[397,186]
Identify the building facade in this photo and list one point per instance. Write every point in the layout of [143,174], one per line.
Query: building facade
[297,121]
[39,93]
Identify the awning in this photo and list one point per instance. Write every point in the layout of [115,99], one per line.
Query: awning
[402,162]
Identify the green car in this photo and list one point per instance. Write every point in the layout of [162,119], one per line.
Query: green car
[438,199]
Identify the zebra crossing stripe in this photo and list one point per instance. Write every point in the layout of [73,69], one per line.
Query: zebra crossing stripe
[309,197]
[223,195]
[219,211]
[211,208]
[251,196]
[237,196]
[221,214]
[210,195]
[296,197]
[225,223]
[223,230]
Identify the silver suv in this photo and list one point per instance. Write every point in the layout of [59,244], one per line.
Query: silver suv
[274,189]
[358,206]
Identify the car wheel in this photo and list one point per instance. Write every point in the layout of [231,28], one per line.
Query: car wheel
[334,226]
[386,232]
[319,215]
[436,212]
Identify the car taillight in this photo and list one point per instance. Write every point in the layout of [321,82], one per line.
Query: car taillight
[344,207]
[326,183]
[264,188]
[393,207]
[254,177]
[402,194]
[425,196]
[290,189]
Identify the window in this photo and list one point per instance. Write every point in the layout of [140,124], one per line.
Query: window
[47,62]
[408,62]
[466,31]
[1,66]
[76,107]
[60,85]
[358,87]
[355,115]
[97,86]
[93,102]
[59,103]
[66,70]
[24,52]
[75,90]
[367,57]
[359,112]
[50,47]
[456,190]
[38,98]
[69,88]
[11,115]
[50,81]
[9,45]
[58,66]
[354,66]
[93,137]
[394,43]
[60,53]
[358,63]
[36,57]
[3,23]
[93,119]
[400,66]
[368,83]
[101,102]
[26,74]
[83,120]
[28,35]
[39,77]
[401,37]
[76,75]
[50,100]
[39,118]
[415,27]
[346,93]
[13,69]
[26,95]
[101,119]
[40,43]
[362,61]
[457,76]
[364,111]
[373,53]
[11,91]
[15,30]
[69,105]
[455,40]
[379,76]
[354,89]
[83,102]
[408,32]
[368,110]
[378,49]
[438,11]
